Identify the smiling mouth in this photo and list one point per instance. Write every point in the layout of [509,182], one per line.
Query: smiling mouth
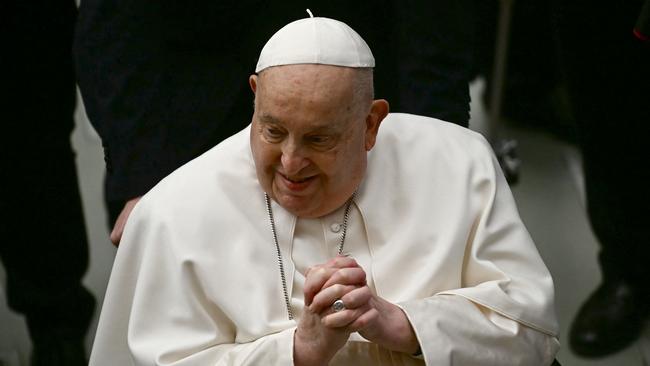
[296,180]
[296,183]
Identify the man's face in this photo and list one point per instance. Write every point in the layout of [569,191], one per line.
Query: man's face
[310,136]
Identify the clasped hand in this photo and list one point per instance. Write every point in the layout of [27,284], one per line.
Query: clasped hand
[321,332]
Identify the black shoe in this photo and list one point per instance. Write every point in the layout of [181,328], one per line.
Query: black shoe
[610,320]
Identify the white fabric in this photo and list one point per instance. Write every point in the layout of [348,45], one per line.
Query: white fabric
[195,281]
[316,41]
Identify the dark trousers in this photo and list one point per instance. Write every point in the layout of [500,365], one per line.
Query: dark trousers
[608,75]
[43,244]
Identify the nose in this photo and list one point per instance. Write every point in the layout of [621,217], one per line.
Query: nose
[293,159]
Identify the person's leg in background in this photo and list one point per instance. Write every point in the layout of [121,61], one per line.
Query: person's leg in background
[435,62]
[534,94]
[43,246]
[608,75]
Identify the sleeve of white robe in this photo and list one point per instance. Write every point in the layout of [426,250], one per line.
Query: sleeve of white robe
[156,313]
[504,314]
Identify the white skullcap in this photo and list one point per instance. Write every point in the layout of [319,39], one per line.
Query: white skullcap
[316,41]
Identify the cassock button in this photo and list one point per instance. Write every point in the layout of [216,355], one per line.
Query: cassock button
[335,227]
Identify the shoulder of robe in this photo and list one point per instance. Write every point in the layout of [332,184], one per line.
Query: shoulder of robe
[436,142]
[204,187]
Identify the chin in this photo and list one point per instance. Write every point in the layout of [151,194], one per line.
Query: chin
[299,207]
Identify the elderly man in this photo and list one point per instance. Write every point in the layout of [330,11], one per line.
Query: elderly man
[312,238]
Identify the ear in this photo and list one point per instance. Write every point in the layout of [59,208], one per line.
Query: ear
[252,81]
[378,111]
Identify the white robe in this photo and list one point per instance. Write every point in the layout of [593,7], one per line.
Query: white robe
[196,280]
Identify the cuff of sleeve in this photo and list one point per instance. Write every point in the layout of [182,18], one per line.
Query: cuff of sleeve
[273,349]
[410,308]
[284,341]
[453,330]
[428,318]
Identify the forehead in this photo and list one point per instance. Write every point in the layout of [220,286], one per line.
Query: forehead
[307,82]
[311,72]
[321,93]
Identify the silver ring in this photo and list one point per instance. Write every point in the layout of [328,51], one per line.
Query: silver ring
[338,305]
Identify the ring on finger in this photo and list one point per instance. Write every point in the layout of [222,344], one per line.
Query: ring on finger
[338,305]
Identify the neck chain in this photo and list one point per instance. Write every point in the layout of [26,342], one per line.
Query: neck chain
[277,246]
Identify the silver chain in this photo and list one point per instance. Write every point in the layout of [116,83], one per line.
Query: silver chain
[346,215]
[283,278]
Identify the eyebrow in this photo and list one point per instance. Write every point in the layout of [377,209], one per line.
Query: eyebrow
[267,118]
[270,119]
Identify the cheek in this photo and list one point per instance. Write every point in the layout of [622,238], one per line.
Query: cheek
[267,158]
[261,155]
[339,167]
[355,165]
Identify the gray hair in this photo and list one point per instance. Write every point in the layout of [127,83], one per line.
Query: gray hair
[364,91]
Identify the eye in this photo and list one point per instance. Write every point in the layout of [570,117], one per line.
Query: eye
[273,133]
[318,139]
[321,142]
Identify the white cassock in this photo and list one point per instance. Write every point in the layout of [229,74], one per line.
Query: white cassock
[434,225]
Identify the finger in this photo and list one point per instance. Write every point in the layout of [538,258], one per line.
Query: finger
[342,261]
[347,276]
[358,297]
[324,271]
[326,297]
[365,320]
[343,318]
[120,223]
[118,229]
[315,278]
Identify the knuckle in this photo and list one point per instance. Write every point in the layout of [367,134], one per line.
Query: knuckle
[342,274]
[362,323]
[308,271]
[313,271]
[350,318]
[349,274]
[343,261]
[360,272]
[365,292]
[326,321]
[339,289]
[352,274]
[350,299]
